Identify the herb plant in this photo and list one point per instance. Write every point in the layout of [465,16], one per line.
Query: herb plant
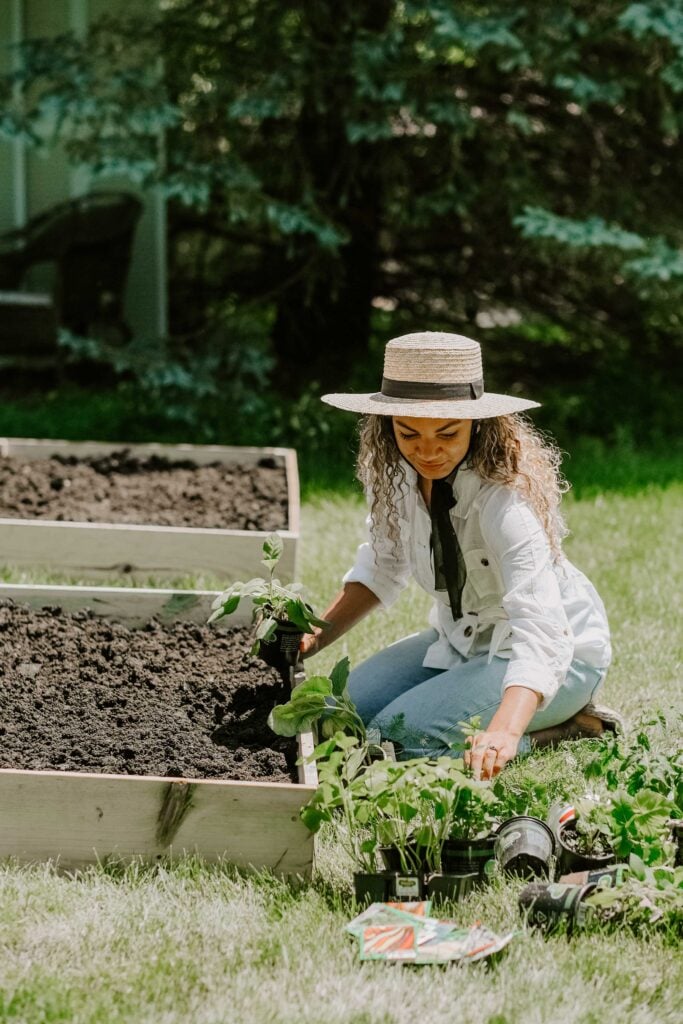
[273,603]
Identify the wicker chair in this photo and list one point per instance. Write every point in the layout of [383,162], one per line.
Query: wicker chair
[89,240]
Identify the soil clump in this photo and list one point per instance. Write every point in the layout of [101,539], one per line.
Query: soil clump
[79,693]
[123,488]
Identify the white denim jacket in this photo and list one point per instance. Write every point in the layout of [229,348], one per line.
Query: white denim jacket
[517,602]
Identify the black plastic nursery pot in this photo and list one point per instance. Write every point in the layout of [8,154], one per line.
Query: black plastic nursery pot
[445,886]
[570,860]
[380,886]
[524,846]
[607,877]
[463,856]
[282,651]
[372,887]
[391,858]
[549,905]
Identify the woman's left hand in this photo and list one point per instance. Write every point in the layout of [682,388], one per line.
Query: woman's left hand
[489,752]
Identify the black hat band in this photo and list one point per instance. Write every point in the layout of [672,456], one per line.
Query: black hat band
[430,390]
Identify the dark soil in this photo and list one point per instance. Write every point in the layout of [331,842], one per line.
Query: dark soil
[122,488]
[78,693]
[584,844]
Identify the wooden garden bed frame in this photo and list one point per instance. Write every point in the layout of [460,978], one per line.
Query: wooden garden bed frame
[78,818]
[92,550]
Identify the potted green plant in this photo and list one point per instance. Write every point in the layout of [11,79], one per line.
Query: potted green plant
[281,616]
[421,800]
[470,843]
[345,789]
[585,840]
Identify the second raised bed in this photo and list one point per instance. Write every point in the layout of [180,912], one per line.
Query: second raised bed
[144,550]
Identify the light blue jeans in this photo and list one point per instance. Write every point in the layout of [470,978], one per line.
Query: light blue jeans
[421,707]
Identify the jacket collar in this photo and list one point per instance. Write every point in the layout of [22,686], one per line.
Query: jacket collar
[466,487]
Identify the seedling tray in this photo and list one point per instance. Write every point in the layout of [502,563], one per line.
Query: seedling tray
[77,818]
[91,550]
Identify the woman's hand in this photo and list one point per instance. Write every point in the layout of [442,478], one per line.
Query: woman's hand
[309,643]
[351,605]
[492,748]
[490,751]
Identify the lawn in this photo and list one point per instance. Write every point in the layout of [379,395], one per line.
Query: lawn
[182,942]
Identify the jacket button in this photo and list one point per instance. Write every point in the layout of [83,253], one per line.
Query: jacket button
[468,631]
[484,561]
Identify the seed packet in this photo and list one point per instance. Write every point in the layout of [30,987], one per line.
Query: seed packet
[389,914]
[449,943]
[393,933]
[433,942]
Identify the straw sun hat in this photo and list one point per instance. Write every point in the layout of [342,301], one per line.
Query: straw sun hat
[434,376]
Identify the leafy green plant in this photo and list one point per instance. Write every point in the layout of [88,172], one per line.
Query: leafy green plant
[640,826]
[273,603]
[592,833]
[475,811]
[323,701]
[649,896]
[340,760]
[633,762]
[411,806]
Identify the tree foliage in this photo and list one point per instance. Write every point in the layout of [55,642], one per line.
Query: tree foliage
[508,170]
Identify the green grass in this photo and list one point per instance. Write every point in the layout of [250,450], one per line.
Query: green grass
[184,942]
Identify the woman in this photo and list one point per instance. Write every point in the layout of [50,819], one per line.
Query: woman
[464,496]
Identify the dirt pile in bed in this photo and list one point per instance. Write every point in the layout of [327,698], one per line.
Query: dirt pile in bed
[78,693]
[122,488]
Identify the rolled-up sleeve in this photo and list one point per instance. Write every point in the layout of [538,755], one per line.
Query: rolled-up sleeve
[381,565]
[542,644]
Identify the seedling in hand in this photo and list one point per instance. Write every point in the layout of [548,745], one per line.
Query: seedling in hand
[278,609]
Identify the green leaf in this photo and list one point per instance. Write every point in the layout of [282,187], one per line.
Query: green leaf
[339,676]
[637,866]
[266,630]
[227,608]
[272,550]
[313,817]
[296,613]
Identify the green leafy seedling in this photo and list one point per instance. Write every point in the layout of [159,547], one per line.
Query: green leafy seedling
[273,603]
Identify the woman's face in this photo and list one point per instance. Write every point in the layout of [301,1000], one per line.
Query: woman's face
[433,447]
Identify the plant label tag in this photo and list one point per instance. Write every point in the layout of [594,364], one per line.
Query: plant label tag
[407,887]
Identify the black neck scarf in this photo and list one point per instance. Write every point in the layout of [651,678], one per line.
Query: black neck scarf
[450,572]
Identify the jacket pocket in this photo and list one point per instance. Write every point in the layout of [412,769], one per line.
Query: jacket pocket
[482,573]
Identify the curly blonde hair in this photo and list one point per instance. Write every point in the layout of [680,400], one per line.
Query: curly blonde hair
[505,450]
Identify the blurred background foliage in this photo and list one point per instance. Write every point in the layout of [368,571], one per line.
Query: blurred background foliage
[338,174]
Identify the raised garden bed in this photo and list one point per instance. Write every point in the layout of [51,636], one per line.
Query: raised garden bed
[172,712]
[94,508]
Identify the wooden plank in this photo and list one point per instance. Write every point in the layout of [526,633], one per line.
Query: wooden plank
[131,605]
[140,551]
[203,454]
[78,818]
[81,817]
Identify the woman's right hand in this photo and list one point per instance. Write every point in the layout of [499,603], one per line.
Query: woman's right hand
[309,643]
[349,606]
